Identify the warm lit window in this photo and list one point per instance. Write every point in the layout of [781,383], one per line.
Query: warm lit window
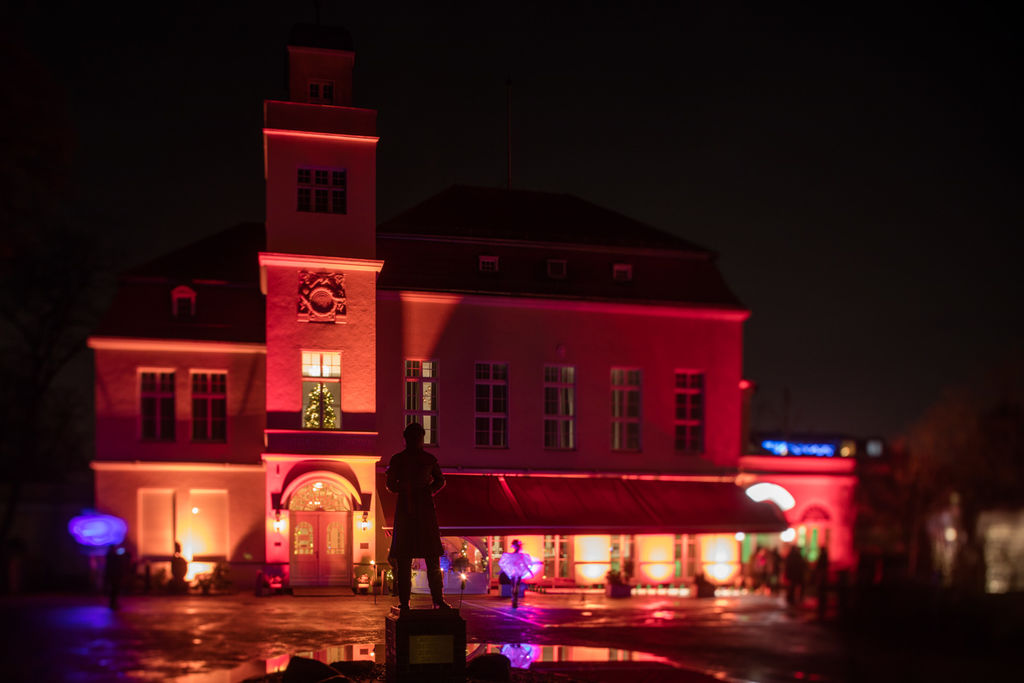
[621,552]
[559,406]
[209,406]
[689,415]
[556,556]
[321,92]
[207,524]
[322,190]
[557,268]
[421,397]
[625,409]
[157,405]
[183,302]
[488,264]
[622,272]
[685,556]
[156,522]
[491,397]
[321,390]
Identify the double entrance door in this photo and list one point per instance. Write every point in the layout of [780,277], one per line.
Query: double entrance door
[320,548]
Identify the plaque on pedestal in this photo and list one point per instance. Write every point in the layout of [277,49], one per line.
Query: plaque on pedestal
[425,645]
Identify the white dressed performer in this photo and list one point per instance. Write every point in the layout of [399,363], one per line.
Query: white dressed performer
[517,565]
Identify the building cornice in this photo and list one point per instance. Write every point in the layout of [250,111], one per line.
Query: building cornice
[140,466]
[783,465]
[292,457]
[310,261]
[188,345]
[579,305]
[318,135]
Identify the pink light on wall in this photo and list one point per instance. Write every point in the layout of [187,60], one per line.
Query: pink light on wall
[593,556]
[654,554]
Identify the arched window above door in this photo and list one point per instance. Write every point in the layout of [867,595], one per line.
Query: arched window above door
[320,495]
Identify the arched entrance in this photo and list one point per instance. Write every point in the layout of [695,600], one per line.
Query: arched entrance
[321,533]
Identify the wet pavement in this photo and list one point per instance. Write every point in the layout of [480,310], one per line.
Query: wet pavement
[223,639]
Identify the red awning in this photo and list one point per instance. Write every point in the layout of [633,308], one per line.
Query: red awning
[478,505]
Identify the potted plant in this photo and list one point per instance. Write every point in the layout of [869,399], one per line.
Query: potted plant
[616,584]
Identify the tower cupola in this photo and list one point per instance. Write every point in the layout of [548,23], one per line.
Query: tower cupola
[320,60]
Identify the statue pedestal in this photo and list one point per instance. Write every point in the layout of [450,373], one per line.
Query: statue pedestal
[425,645]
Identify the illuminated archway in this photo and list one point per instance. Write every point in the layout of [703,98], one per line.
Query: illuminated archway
[320,491]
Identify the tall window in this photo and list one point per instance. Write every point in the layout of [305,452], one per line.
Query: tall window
[556,557]
[492,404]
[621,552]
[689,417]
[625,409]
[209,406]
[685,556]
[421,397]
[321,390]
[322,190]
[559,406]
[157,408]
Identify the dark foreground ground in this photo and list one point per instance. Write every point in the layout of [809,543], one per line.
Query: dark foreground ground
[895,636]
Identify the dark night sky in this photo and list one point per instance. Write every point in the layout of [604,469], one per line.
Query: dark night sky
[857,172]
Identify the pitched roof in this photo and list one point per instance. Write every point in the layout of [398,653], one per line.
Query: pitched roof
[527,228]
[435,245]
[490,213]
[222,269]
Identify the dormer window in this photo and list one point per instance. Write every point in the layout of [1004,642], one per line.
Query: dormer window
[622,272]
[557,268]
[321,92]
[488,264]
[183,302]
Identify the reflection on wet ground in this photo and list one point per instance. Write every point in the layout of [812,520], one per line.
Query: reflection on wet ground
[228,639]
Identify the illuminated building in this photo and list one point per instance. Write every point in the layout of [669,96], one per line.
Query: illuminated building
[578,373]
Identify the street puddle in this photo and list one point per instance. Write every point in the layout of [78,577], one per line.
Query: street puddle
[521,655]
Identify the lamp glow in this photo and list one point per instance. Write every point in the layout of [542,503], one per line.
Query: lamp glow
[763,491]
[788,535]
[97,530]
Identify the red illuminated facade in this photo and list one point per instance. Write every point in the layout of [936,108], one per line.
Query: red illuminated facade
[579,375]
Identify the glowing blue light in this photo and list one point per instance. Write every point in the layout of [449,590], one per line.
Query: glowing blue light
[95,530]
[825,450]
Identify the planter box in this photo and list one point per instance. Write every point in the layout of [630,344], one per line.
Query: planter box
[617,590]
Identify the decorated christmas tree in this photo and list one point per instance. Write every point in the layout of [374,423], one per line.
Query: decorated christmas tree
[320,409]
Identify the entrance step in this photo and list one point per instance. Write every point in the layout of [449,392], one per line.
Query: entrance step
[322,591]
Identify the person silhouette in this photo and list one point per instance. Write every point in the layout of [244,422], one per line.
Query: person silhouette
[416,477]
[179,569]
[118,562]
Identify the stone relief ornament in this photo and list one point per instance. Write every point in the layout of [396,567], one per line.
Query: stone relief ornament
[321,297]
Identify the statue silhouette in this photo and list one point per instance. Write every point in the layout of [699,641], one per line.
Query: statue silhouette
[415,476]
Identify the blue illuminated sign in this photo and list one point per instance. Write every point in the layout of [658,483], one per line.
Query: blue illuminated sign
[822,450]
